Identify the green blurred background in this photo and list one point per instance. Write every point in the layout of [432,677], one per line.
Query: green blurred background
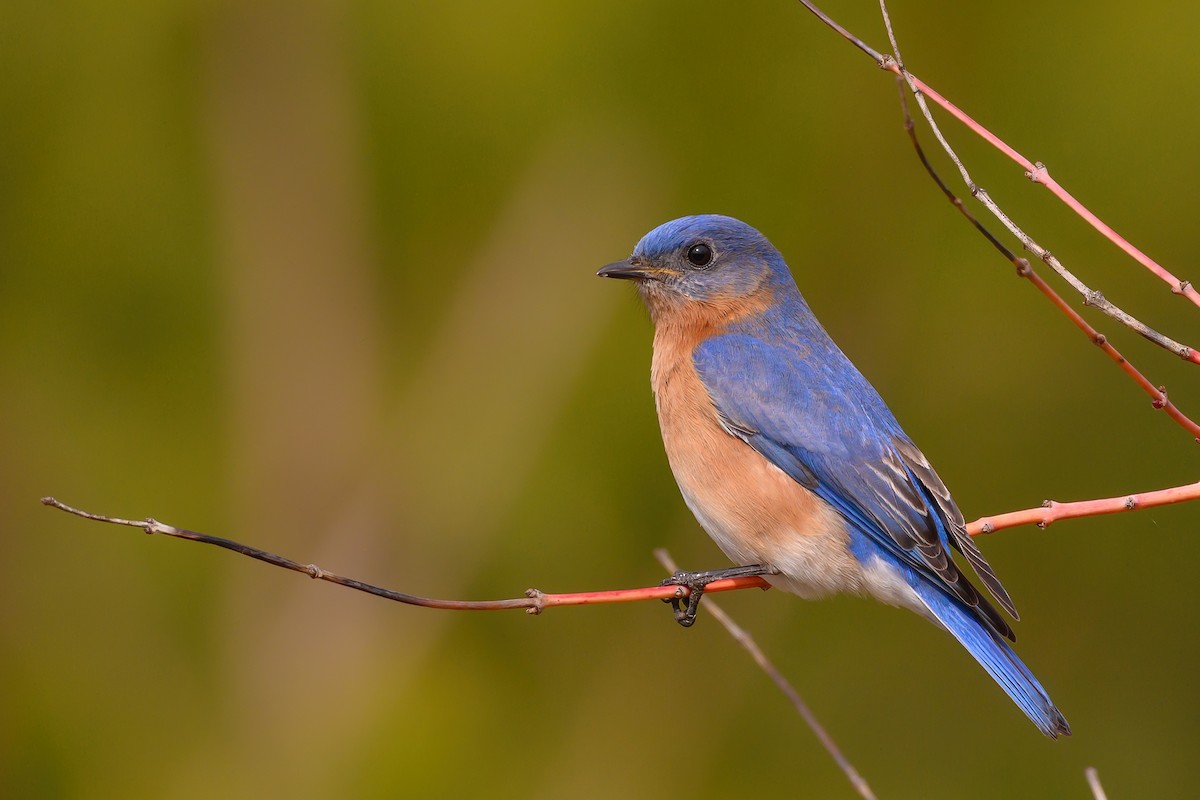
[319,276]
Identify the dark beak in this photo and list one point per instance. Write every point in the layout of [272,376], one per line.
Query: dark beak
[628,270]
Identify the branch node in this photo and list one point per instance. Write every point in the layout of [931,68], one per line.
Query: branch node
[314,571]
[1183,287]
[1161,401]
[151,527]
[888,63]
[1093,297]
[1099,340]
[1131,503]
[539,598]
[1023,268]
[1038,174]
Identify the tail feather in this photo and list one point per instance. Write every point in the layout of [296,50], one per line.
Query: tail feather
[995,656]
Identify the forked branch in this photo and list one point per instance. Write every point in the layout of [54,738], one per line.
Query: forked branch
[1036,172]
[1158,394]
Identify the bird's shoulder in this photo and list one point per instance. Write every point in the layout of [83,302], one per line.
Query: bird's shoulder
[795,381]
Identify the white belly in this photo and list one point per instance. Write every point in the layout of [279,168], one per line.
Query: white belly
[814,566]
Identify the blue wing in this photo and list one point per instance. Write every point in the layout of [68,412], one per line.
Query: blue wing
[807,409]
[803,405]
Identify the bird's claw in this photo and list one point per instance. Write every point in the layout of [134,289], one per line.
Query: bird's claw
[696,582]
[684,607]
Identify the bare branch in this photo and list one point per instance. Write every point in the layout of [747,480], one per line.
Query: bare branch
[845,34]
[1091,297]
[1158,394]
[747,642]
[1036,172]
[534,602]
[1052,511]
[1093,779]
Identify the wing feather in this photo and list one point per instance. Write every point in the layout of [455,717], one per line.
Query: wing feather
[819,421]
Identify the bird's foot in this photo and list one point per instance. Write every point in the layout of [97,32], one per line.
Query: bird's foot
[685,608]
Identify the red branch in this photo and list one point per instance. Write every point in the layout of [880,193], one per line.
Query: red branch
[535,601]
[1051,511]
[1158,394]
[1035,171]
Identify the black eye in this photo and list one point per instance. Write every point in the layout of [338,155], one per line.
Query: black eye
[700,255]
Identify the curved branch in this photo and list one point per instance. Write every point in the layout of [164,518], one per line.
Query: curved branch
[534,601]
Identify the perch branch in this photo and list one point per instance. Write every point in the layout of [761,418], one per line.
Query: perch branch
[534,601]
[747,642]
[1036,172]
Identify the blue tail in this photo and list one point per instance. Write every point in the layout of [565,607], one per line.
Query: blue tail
[993,652]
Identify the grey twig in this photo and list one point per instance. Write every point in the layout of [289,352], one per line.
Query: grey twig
[534,602]
[1091,297]
[1093,779]
[531,602]
[1158,394]
[747,642]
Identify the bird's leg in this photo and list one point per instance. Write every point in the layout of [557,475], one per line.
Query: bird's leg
[696,581]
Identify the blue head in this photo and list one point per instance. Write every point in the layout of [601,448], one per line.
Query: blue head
[709,259]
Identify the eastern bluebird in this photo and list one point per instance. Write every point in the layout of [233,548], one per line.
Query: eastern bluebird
[790,459]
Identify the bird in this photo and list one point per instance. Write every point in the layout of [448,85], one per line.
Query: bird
[789,458]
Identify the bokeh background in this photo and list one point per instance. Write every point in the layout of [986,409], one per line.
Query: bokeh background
[319,276]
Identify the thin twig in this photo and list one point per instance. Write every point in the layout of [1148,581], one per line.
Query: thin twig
[875,55]
[1093,779]
[1091,297]
[747,642]
[1158,394]
[534,602]
[896,64]
[1048,513]
[1038,174]
[1052,511]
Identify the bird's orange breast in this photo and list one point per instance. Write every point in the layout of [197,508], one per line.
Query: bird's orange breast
[753,510]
